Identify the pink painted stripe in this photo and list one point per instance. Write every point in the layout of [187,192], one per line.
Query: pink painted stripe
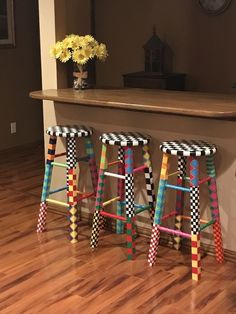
[112,215]
[175,212]
[139,168]
[175,232]
[204,180]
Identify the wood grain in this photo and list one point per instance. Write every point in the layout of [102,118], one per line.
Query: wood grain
[47,274]
[220,106]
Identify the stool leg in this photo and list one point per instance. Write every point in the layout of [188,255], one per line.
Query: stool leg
[215,209]
[46,183]
[71,161]
[121,190]
[155,237]
[92,162]
[179,199]
[149,181]
[129,202]
[99,199]
[195,219]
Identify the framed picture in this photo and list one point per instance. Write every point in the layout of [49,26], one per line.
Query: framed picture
[7,31]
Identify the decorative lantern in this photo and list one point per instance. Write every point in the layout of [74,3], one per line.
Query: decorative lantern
[154,54]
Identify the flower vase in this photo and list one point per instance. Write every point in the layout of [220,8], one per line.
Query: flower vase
[80,75]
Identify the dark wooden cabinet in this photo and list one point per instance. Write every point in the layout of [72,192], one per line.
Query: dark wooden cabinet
[169,81]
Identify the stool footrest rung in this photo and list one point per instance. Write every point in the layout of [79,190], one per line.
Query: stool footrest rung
[141,206]
[140,210]
[60,154]
[112,163]
[204,180]
[111,201]
[58,190]
[177,187]
[115,175]
[173,213]
[84,158]
[211,222]
[85,195]
[189,218]
[175,232]
[140,168]
[49,200]
[59,164]
[112,215]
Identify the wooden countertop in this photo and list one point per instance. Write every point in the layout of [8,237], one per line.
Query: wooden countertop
[195,104]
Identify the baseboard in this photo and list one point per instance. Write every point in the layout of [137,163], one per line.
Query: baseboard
[166,240]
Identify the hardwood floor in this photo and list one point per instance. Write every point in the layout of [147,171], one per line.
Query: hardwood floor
[47,274]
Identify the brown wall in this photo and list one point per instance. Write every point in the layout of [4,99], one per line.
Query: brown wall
[203,46]
[20,74]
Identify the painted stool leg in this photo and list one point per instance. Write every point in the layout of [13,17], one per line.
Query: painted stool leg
[149,181]
[71,161]
[92,162]
[46,183]
[155,237]
[99,199]
[179,199]
[195,219]
[121,190]
[129,202]
[215,209]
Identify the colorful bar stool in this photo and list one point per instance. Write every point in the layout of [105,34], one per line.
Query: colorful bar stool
[125,198]
[187,150]
[71,133]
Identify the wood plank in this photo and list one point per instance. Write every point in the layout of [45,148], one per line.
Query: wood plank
[220,106]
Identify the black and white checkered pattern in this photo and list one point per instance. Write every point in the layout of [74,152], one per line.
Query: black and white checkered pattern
[150,190]
[188,148]
[69,131]
[121,154]
[182,167]
[195,210]
[95,229]
[129,194]
[71,153]
[125,138]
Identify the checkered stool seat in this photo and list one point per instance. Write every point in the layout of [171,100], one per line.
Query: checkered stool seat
[188,148]
[69,131]
[124,138]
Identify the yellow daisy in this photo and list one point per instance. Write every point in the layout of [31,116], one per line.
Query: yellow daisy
[65,55]
[56,50]
[79,56]
[101,52]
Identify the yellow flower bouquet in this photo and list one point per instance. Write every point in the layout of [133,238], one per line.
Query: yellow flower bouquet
[79,49]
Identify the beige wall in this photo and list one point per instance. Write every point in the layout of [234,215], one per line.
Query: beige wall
[160,127]
[204,47]
[20,74]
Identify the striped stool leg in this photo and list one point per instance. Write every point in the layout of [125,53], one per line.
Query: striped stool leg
[121,191]
[155,237]
[129,202]
[215,209]
[99,199]
[46,183]
[149,181]
[179,200]
[195,219]
[92,162]
[71,161]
